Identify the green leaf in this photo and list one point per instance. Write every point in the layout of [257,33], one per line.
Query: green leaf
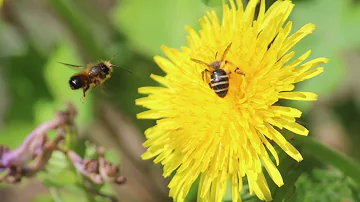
[324,185]
[322,153]
[61,179]
[71,194]
[59,172]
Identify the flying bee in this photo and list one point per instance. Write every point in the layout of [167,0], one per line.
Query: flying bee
[92,76]
[219,77]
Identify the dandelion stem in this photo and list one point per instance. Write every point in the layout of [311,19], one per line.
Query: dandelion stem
[331,157]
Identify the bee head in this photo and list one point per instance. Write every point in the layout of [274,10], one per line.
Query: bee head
[216,64]
[105,68]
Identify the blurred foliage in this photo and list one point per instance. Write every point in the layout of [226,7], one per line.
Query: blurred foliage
[36,35]
[333,36]
[163,28]
[319,185]
[212,3]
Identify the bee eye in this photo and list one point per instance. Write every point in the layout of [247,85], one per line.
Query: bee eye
[105,69]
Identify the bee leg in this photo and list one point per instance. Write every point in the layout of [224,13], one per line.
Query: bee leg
[237,70]
[84,93]
[205,76]
[97,83]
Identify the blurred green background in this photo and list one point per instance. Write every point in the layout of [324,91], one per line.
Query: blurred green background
[35,35]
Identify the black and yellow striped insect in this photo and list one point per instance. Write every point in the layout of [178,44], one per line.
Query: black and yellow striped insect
[219,77]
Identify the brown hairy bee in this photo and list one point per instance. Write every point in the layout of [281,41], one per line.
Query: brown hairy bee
[219,77]
[92,76]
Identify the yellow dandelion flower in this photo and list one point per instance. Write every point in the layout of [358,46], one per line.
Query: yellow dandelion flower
[199,133]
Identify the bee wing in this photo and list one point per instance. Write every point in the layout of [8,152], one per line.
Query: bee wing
[71,65]
[102,88]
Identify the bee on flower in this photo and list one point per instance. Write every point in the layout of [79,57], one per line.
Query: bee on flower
[219,77]
[225,135]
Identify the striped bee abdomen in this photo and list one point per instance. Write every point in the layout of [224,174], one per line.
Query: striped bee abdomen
[220,82]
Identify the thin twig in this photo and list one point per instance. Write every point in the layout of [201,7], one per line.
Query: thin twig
[36,139]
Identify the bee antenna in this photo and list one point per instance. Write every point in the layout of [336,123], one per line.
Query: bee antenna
[114,56]
[200,62]
[121,68]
